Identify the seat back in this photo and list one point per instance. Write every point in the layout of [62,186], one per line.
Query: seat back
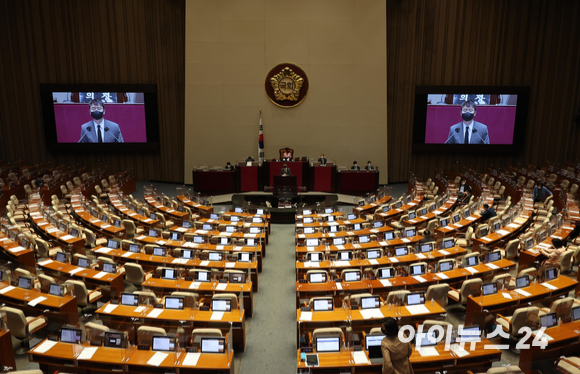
[45,282]
[566,261]
[80,290]
[147,297]
[134,273]
[227,296]
[562,307]
[511,249]
[356,298]
[469,255]
[470,287]
[523,317]
[189,298]
[428,323]
[328,331]
[438,293]
[397,296]
[16,322]
[145,334]
[95,331]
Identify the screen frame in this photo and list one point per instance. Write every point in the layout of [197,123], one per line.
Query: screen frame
[420,119]
[151,117]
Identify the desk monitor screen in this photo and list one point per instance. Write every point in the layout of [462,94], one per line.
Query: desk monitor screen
[206,226]
[129,299]
[417,270]
[373,254]
[466,214]
[163,343]
[550,274]
[153,233]
[152,216]
[357,227]
[114,339]
[389,235]
[483,232]
[308,220]
[338,241]
[198,239]
[239,210]
[522,282]
[317,278]
[446,265]
[83,263]
[245,256]
[306,212]
[345,255]
[187,254]
[62,226]
[250,242]
[373,199]
[25,283]
[55,289]
[113,244]
[386,273]
[175,236]
[470,333]
[104,218]
[202,276]
[361,203]
[328,210]
[401,251]
[309,230]
[234,219]
[399,204]
[221,305]
[456,218]
[373,345]
[158,251]
[259,211]
[74,232]
[416,298]
[109,268]
[330,218]
[352,276]
[426,247]
[72,336]
[213,345]
[424,339]
[529,243]
[422,212]
[141,212]
[257,220]
[214,256]
[186,224]
[323,305]
[377,224]
[386,209]
[255,230]
[489,288]
[351,216]
[576,314]
[472,261]
[168,274]
[230,228]
[117,223]
[448,243]
[214,216]
[172,302]
[549,320]
[134,248]
[494,256]
[364,239]
[370,302]
[61,257]
[443,222]
[237,277]
[315,257]
[412,215]
[312,242]
[327,344]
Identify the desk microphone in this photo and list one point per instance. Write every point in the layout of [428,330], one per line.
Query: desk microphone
[118,141]
[450,136]
[86,132]
[474,131]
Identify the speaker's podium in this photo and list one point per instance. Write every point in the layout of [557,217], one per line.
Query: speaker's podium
[285,187]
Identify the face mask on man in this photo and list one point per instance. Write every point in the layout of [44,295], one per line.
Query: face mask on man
[467,116]
[97,114]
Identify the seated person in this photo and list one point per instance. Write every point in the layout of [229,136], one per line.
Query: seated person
[463,187]
[322,160]
[355,166]
[250,158]
[228,166]
[487,213]
[286,154]
[553,254]
[540,193]
[285,172]
[369,166]
[465,198]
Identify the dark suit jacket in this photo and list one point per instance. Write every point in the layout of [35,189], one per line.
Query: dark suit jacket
[322,161]
[250,159]
[355,167]
[479,137]
[369,167]
[112,133]
[466,188]
[285,172]
[487,214]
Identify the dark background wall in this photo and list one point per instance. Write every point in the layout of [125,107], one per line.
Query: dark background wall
[472,42]
[128,41]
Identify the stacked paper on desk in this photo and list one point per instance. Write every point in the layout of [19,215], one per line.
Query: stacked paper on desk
[458,350]
[340,247]
[194,285]
[492,266]
[419,278]
[513,225]
[139,309]
[338,286]
[16,249]
[141,237]
[221,286]
[386,283]
[393,259]
[230,264]
[310,264]
[470,218]
[157,359]
[74,271]
[548,285]
[104,250]
[506,295]
[217,316]
[502,232]
[471,270]
[87,353]
[371,313]
[442,276]
[204,263]
[45,262]
[109,308]
[100,275]
[417,309]
[444,252]
[191,359]
[34,302]
[341,263]
[127,254]
[373,262]
[44,347]
[310,249]
[360,358]
[155,313]
[383,244]
[428,351]
[306,316]
[67,237]
[522,292]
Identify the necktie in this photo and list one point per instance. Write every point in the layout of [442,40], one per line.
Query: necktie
[101,138]
[466,141]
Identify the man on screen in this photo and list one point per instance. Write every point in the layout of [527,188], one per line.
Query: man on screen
[468,131]
[100,130]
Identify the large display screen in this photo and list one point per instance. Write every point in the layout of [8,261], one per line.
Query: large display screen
[462,118]
[100,117]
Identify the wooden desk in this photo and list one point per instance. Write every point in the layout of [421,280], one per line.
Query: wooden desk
[356,182]
[20,257]
[7,361]
[441,211]
[125,212]
[344,234]
[478,360]
[56,309]
[505,234]
[214,182]
[170,214]
[566,342]
[322,178]
[204,211]
[265,226]
[372,206]
[494,304]
[263,236]
[95,223]
[392,214]
[167,286]
[64,357]
[530,256]
[125,317]
[370,245]
[89,276]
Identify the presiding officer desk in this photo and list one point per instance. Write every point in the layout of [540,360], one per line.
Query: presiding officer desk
[64,357]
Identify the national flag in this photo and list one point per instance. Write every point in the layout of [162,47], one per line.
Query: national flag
[261,141]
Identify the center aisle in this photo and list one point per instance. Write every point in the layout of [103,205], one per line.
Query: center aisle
[271,345]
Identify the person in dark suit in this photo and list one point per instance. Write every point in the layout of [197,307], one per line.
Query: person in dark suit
[463,187]
[322,160]
[285,172]
[468,131]
[355,166]
[465,197]
[540,193]
[100,130]
[250,159]
[487,213]
[369,166]
[228,166]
